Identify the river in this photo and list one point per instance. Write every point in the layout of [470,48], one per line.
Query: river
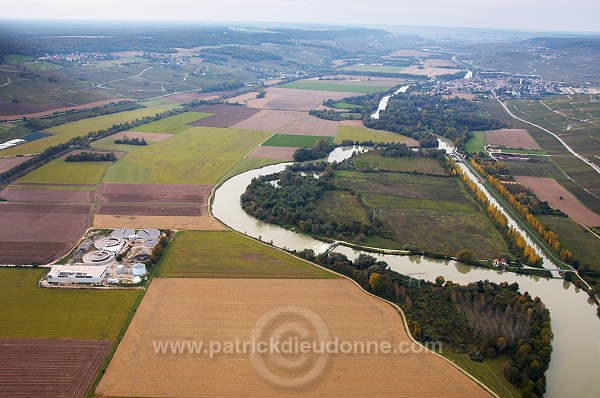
[384,101]
[576,328]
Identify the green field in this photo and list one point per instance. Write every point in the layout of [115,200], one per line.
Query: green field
[250,164]
[199,155]
[582,243]
[226,254]
[435,213]
[342,205]
[488,372]
[344,105]
[307,141]
[65,132]
[536,169]
[477,143]
[58,171]
[108,144]
[375,68]
[30,311]
[172,124]
[358,133]
[373,160]
[337,86]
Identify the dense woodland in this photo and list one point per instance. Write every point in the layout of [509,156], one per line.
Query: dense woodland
[481,319]
[131,141]
[91,157]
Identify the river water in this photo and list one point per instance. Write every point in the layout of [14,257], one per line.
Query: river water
[384,101]
[576,328]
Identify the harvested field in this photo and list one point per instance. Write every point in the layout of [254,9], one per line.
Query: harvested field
[210,309]
[429,71]
[150,137]
[549,190]
[16,194]
[7,163]
[224,115]
[110,192]
[10,113]
[40,232]
[511,138]
[58,171]
[349,86]
[194,96]
[362,80]
[438,62]
[354,130]
[312,125]
[227,254]
[49,367]
[273,152]
[290,99]
[127,210]
[204,223]
[172,124]
[269,119]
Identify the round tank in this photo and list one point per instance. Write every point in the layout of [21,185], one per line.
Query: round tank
[138,269]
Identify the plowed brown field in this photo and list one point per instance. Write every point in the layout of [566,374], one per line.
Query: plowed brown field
[8,162]
[273,152]
[511,138]
[291,99]
[269,119]
[49,367]
[312,125]
[549,190]
[224,115]
[17,194]
[112,192]
[225,309]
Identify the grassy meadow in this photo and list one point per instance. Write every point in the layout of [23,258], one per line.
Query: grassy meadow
[58,171]
[338,86]
[295,140]
[226,254]
[477,143]
[29,311]
[358,133]
[373,160]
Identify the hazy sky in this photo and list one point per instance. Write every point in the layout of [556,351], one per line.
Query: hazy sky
[550,15]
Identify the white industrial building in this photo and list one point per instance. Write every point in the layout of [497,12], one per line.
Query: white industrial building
[77,274]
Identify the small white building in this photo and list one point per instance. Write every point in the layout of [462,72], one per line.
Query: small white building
[76,274]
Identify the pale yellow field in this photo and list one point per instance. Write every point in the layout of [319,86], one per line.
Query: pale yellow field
[225,309]
[202,223]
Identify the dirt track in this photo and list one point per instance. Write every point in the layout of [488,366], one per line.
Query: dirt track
[223,310]
[548,189]
[49,367]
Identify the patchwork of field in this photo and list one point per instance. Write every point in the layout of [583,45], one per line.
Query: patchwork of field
[269,119]
[65,132]
[557,196]
[202,223]
[433,212]
[511,138]
[43,193]
[438,62]
[429,71]
[373,160]
[199,155]
[354,130]
[49,367]
[273,152]
[227,254]
[211,309]
[224,115]
[28,231]
[29,311]
[13,114]
[312,125]
[290,99]
[7,163]
[336,85]
[108,143]
[288,140]
[584,245]
[172,124]
[58,171]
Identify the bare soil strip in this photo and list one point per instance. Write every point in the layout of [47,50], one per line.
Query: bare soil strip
[49,367]
[8,113]
[203,223]
[511,138]
[549,190]
[273,152]
[226,309]
[312,125]
[269,119]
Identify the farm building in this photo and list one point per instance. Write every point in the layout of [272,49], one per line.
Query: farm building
[76,274]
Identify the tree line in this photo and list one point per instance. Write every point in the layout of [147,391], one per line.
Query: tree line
[131,141]
[91,157]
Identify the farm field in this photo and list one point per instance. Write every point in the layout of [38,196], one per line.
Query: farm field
[273,152]
[227,254]
[311,125]
[544,168]
[45,193]
[429,71]
[549,190]
[108,143]
[201,223]
[342,205]
[11,114]
[28,311]
[58,171]
[374,68]
[333,85]
[435,213]
[249,163]
[373,160]
[199,155]
[354,130]
[28,231]
[511,138]
[28,365]
[65,132]
[477,143]
[7,163]
[291,99]
[288,140]
[582,243]
[172,307]
[223,115]
[269,120]
[172,124]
